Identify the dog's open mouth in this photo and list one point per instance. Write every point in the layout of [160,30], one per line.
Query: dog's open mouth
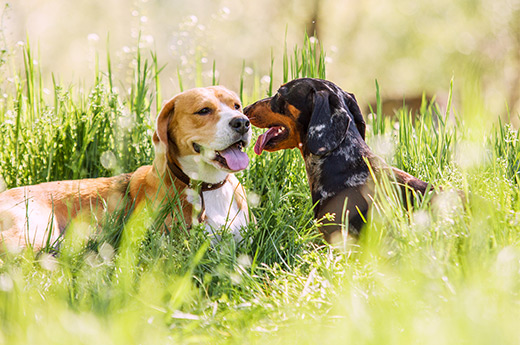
[233,158]
[267,140]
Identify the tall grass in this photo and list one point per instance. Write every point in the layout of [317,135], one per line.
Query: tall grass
[66,139]
[442,273]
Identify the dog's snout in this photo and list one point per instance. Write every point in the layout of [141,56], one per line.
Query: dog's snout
[240,124]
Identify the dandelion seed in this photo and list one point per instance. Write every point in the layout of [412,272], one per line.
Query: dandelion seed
[383,146]
[447,205]
[106,252]
[108,160]
[265,79]
[135,13]
[91,259]
[194,19]
[244,260]
[194,175]
[204,60]
[224,12]
[422,220]
[48,262]
[6,282]
[248,70]
[193,198]
[469,155]
[125,121]
[144,19]
[253,199]
[93,37]
[236,278]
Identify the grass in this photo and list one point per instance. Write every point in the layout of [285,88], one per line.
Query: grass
[440,274]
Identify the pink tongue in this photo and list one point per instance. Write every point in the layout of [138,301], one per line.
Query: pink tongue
[235,159]
[263,139]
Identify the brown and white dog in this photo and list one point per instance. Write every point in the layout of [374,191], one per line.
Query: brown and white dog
[326,125]
[199,140]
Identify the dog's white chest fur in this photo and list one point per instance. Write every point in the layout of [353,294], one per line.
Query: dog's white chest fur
[223,213]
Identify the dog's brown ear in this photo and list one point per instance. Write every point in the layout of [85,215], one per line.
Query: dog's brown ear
[353,107]
[161,137]
[328,125]
[161,124]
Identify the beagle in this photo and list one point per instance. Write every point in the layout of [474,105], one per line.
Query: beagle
[199,139]
[326,125]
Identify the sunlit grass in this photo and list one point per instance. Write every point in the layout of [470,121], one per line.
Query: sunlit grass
[442,273]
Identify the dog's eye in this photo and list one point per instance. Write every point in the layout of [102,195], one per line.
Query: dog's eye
[237,106]
[204,111]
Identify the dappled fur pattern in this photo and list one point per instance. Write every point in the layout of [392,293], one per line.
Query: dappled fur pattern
[326,125]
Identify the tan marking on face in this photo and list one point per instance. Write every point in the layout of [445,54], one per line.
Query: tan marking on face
[188,127]
[261,115]
[181,124]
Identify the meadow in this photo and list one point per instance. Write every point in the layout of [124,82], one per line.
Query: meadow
[442,273]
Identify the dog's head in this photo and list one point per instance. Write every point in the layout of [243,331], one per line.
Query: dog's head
[204,131]
[311,113]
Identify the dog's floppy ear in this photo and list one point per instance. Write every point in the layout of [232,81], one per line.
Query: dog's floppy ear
[161,137]
[161,124]
[328,125]
[353,107]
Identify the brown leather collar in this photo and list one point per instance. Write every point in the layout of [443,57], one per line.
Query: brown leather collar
[181,176]
[199,186]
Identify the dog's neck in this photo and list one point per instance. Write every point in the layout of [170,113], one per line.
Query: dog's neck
[198,170]
[344,167]
[202,186]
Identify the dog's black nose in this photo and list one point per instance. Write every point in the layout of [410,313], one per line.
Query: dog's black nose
[240,124]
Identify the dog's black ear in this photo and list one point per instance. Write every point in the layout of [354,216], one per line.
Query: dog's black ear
[328,125]
[353,107]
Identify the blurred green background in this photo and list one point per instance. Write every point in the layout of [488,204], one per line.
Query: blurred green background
[409,46]
[446,274]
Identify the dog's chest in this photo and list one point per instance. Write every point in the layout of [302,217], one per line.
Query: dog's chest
[222,212]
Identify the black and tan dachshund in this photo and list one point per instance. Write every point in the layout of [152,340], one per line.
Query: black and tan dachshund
[326,125]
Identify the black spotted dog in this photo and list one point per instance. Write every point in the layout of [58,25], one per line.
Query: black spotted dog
[326,125]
